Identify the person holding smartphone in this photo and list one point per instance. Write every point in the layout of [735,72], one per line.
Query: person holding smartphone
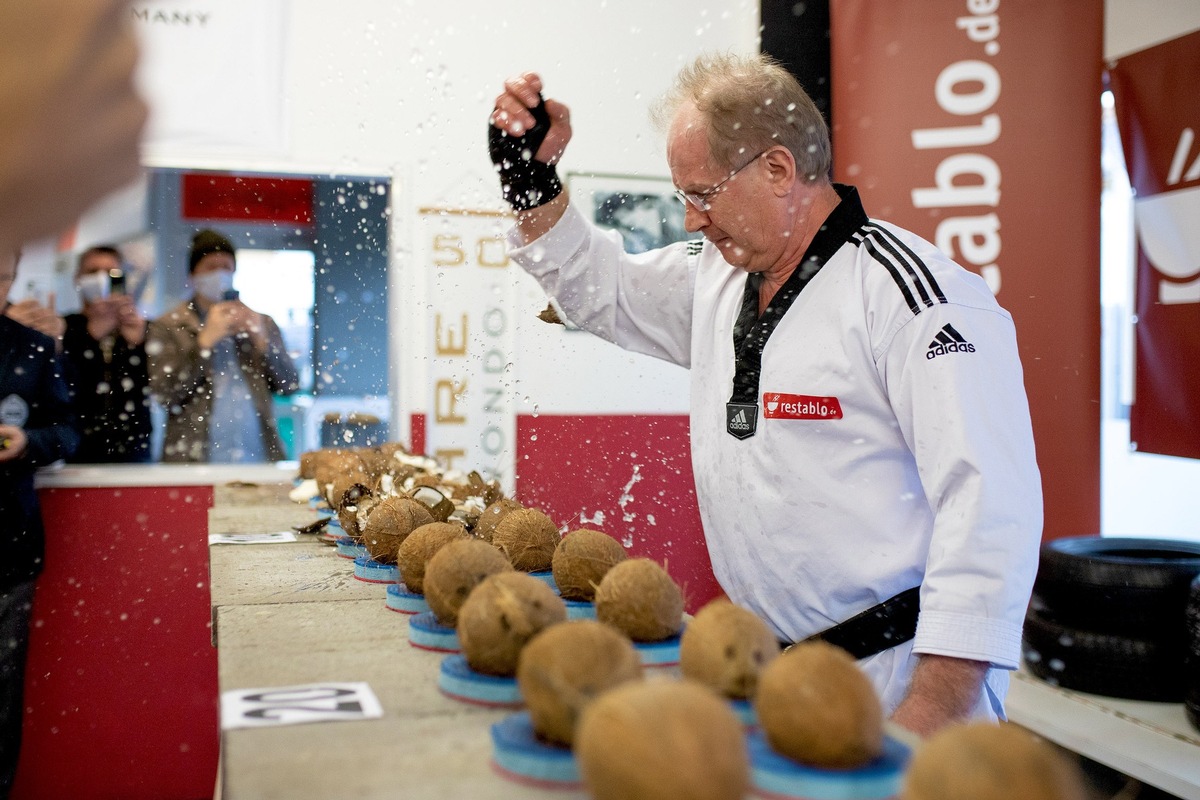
[215,364]
[36,429]
[104,348]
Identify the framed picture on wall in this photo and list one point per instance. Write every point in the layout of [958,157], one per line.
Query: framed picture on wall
[643,210]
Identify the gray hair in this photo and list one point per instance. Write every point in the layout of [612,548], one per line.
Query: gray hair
[750,104]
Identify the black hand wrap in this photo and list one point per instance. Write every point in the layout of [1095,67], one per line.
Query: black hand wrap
[526,182]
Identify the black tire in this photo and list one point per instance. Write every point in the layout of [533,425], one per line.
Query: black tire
[1191,698]
[1112,665]
[1122,585]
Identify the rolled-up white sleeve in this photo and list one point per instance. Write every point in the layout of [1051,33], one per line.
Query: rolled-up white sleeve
[966,418]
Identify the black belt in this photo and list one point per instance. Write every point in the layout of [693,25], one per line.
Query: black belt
[879,628]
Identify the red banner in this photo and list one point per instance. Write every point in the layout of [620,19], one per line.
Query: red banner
[976,124]
[1158,111]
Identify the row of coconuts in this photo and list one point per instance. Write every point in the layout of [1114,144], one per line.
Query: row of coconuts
[470,550]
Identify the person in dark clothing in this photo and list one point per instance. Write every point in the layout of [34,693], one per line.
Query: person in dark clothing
[104,350]
[35,429]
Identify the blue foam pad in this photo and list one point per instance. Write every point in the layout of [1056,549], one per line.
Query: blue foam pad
[580,609]
[399,598]
[425,632]
[545,576]
[369,570]
[776,776]
[664,653]
[348,548]
[520,756]
[744,710]
[458,680]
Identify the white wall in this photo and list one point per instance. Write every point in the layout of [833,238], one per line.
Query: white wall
[404,89]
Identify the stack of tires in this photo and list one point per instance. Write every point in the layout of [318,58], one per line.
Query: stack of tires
[1110,616]
[1192,681]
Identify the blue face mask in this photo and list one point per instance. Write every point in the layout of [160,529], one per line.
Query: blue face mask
[213,285]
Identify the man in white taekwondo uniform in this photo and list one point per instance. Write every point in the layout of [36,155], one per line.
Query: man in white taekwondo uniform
[861,440]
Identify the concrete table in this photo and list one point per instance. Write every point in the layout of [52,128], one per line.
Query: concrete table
[426,745]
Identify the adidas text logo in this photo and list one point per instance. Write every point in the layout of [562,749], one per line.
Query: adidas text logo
[948,340]
[738,421]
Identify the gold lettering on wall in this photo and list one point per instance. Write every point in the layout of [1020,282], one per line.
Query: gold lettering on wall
[448,250]
[447,455]
[445,342]
[445,401]
[492,252]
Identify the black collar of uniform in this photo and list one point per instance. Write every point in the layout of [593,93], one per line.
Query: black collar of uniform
[751,331]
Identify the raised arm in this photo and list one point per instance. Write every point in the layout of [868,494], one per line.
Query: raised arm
[526,138]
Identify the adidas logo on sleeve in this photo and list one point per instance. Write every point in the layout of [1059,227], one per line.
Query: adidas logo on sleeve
[948,340]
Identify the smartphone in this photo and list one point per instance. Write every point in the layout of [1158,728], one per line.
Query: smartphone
[230,294]
[116,281]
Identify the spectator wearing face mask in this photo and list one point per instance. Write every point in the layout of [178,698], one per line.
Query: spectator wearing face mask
[215,364]
[105,349]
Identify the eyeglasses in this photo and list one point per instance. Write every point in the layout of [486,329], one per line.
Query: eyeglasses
[700,200]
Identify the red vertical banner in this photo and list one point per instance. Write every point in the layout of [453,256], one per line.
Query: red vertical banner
[1158,111]
[976,124]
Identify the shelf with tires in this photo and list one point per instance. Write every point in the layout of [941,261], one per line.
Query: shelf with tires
[1118,617]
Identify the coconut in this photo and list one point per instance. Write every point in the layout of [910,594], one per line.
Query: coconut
[374,461]
[662,740]
[489,491]
[528,537]
[640,599]
[390,522]
[454,570]
[581,560]
[419,546]
[817,707]
[565,667]
[485,526]
[308,464]
[500,615]
[986,761]
[725,647]
[391,449]
[335,464]
[426,479]
[352,502]
[335,490]
[433,498]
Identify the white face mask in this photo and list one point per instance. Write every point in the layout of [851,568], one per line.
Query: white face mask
[93,286]
[213,285]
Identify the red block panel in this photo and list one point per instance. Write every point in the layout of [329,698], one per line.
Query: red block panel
[627,475]
[121,686]
[209,196]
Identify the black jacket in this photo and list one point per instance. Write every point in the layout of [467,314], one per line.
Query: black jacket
[32,388]
[110,394]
